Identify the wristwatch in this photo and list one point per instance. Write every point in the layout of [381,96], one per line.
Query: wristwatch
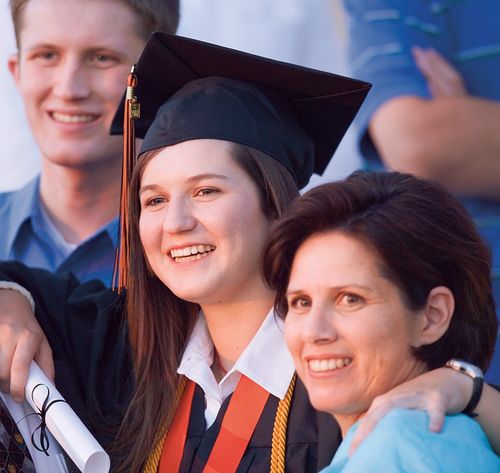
[477,378]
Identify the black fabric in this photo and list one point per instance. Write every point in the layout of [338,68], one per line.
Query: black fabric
[295,114]
[85,326]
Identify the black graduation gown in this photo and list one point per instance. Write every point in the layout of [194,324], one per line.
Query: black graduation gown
[85,326]
[312,437]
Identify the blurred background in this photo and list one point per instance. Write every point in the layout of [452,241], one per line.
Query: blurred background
[306,32]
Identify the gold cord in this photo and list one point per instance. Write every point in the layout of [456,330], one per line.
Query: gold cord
[153,460]
[278,449]
[278,445]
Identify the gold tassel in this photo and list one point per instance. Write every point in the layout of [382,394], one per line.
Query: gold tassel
[131,112]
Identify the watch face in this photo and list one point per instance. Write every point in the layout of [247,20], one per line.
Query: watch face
[466,368]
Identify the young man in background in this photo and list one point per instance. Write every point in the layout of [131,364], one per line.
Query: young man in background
[71,67]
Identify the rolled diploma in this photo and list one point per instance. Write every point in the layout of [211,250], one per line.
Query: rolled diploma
[65,426]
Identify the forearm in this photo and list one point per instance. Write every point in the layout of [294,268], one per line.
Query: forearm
[439,392]
[454,140]
[489,415]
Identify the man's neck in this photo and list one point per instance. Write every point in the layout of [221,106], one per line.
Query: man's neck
[80,201]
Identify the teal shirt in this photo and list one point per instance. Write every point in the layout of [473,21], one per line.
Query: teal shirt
[402,443]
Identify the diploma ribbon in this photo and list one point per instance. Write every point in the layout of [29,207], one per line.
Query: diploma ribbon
[43,444]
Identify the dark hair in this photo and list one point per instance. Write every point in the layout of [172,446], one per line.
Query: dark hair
[424,239]
[160,323]
[152,15]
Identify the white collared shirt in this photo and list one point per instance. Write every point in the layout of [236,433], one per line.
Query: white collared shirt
[26,423]
[265,360]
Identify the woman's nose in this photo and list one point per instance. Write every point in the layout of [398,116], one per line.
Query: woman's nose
[179,217]
[320,325]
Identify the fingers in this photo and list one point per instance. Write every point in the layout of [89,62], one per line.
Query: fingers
[45,359]
[434,403]
[437,392]
[368,423]
[21,341]
[442,78]
[426,399]
[26,351]
[6,354]
[373,417]
[7,349]
[436,419]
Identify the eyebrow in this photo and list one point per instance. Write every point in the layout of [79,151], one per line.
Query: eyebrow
[291,293]
[113,49]
[200,177]
[336,288]
[37,46]
[197,178]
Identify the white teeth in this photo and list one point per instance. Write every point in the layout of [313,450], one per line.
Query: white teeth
[328,365]
[189,252]
[61,117]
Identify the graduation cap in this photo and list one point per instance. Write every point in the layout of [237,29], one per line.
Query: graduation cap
[189,89]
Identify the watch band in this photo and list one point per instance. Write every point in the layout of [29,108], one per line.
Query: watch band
[477,390]
[477,379]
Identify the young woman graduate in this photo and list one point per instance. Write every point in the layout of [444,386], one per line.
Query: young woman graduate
[188,371]
[191,364]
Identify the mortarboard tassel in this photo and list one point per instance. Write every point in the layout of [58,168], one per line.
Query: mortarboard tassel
[131,112]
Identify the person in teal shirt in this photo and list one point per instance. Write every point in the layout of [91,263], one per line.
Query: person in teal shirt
[378,286]
[402,443]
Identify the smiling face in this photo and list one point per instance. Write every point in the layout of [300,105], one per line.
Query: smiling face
[201,223]
[347,327]
[71,71]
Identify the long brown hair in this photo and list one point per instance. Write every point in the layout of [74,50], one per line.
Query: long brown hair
[160,323]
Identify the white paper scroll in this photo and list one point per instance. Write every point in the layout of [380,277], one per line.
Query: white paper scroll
[64,424]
